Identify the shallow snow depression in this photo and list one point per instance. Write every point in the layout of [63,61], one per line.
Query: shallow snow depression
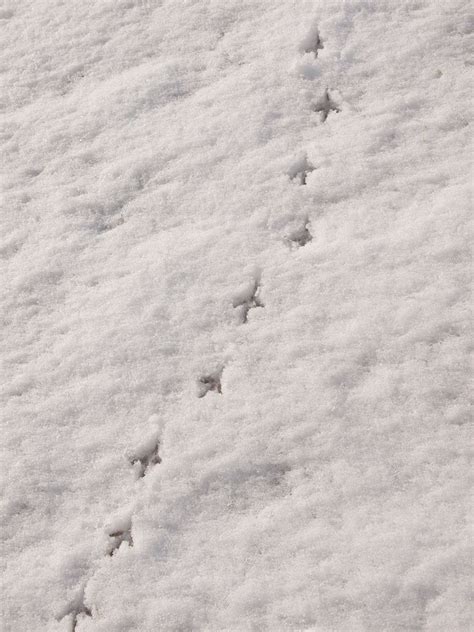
[235,315]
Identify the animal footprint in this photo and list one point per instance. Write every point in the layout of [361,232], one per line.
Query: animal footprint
[247,299]
[325,105]
[300,169]
[118,532]
[211,382]
[312,43]
[146,456]
[84,610]
[301,236]
[76,610]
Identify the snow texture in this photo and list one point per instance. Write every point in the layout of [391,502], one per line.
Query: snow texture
[235,315]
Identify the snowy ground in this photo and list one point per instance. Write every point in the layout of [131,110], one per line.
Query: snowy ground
[235,239]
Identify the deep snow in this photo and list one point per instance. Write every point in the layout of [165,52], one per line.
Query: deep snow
[236,315]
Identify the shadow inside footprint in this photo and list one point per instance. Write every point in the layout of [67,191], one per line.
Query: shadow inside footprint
[300,237]
[119,534]
[146,459]
[247,299]
[312,43]
[76,610]
[325,105]
[300,169]
[211,382]
[75,614]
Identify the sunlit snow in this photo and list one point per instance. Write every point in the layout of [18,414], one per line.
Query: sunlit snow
[235,315]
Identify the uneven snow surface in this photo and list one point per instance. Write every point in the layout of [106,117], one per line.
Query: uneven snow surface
[235,315]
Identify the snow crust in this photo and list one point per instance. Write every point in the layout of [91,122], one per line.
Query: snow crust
[235,315]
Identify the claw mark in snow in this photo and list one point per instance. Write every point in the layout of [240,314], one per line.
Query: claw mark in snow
[247,299]
[325,105]
[300,169]
[210,382]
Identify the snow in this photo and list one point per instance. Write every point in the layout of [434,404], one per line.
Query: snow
[235,307]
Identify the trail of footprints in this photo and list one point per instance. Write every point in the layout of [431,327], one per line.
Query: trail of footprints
[146,458]
[119,531]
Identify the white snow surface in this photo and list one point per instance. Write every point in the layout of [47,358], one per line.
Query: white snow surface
[235,239]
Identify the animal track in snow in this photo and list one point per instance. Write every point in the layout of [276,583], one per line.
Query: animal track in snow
[300,169]
[75,609]
[103,226]
[312,43]
[325,105]
[146,456]
[210,382]
[247,299]
[117,537]
[301,236]
[120,531]
[75,613]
